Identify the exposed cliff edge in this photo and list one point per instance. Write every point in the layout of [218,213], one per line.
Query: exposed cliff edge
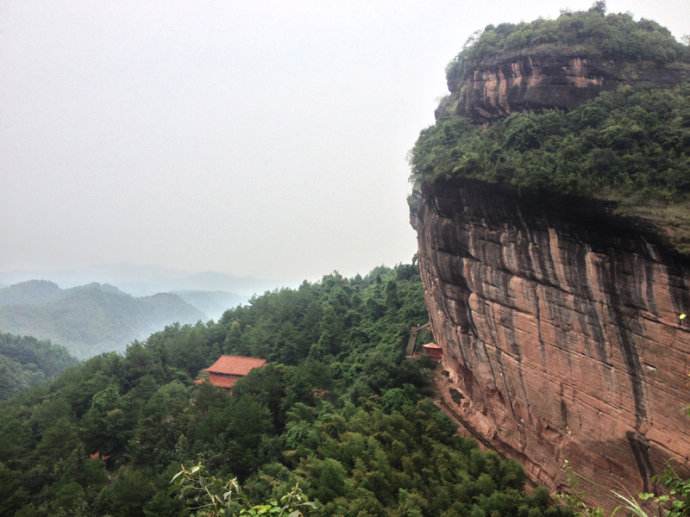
[560,330]
[558,316]
[500,85]
[559,63]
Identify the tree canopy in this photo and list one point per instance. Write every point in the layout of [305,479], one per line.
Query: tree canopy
[592,32]
[26,362]
[627,143]
[338,412]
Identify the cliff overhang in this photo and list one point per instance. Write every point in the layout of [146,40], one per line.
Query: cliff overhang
[559,322]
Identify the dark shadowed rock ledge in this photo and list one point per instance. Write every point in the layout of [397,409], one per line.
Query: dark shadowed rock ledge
[561,334]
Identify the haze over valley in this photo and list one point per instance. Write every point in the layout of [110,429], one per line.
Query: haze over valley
[96,318]
[369,259]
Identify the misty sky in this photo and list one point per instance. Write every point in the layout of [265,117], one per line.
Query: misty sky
[255,138]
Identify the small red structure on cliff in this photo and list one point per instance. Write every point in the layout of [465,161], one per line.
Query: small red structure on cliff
[98,455]
[227,369]
[433,351]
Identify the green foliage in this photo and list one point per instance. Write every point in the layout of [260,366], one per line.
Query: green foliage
[338,411]
[629,144]
[127,495]
[673,501]
[208,496]
[676,500]
[592,32]
[203,494]
[26,362]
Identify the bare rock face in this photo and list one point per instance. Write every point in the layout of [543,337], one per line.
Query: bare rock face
[507,83]
[563,346]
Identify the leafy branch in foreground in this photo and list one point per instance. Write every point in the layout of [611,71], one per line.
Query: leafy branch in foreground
[205,495]
[675,502]
[672,500]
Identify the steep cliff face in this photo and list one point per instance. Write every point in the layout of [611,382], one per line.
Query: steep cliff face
[519,81]
[561,333]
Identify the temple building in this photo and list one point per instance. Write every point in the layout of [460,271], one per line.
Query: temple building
[227,369]
[433,350]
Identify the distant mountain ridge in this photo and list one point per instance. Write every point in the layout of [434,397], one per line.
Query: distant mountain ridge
[29,292]
[143,280]
[89,319]
[211,303]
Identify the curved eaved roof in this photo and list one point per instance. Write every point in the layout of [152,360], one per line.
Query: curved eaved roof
[235,365]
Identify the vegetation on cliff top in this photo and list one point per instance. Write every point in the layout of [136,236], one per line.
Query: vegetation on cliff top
[592,32]
[632,143]
[338,411]
[631,146]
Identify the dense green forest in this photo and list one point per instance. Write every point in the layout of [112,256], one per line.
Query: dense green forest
[592,32]
[25,362]
[339,415]
[626,143]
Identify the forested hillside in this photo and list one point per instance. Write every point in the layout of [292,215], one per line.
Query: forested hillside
[338,411]
[88,319]
[25,362]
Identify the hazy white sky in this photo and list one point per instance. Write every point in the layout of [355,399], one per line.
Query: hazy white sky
[258,138]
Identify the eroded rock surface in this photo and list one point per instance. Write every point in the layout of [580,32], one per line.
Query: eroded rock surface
[561,333]
[507,83]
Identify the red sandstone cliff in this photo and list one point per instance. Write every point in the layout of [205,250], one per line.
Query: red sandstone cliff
[525,80]
[560,330]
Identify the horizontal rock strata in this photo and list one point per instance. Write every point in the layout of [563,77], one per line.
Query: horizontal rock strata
[563,346]
[504,84]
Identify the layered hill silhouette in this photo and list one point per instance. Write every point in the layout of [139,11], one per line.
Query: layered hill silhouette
[89,319]
[212,303]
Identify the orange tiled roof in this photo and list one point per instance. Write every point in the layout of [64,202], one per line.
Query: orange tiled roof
[235,365]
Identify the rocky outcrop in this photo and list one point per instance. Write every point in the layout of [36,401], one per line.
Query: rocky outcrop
[559,322]
[496,87]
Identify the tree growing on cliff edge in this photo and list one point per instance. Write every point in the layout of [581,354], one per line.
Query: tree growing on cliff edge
[599,7]
[593,32]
